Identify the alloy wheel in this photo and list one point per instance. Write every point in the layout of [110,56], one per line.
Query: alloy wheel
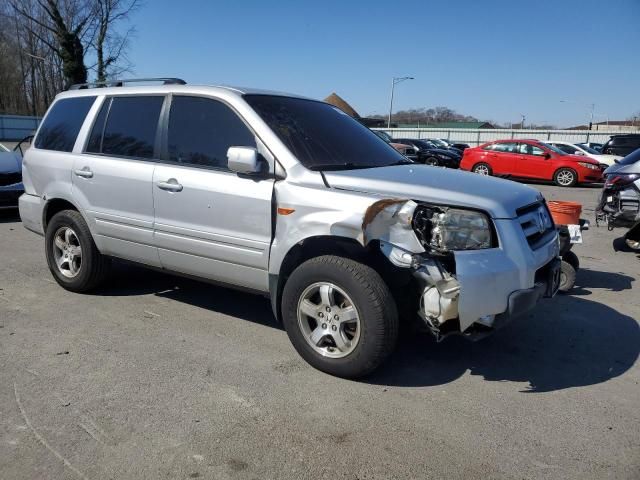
[565,178]
[67,252]
[328,320]
[481,170]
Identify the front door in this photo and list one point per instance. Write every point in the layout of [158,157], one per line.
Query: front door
[112,178]
[533,162]
[209,221]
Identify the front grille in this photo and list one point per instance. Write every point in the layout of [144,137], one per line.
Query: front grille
[537,228]
[10,178]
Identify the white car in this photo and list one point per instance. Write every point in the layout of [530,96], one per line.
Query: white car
[573,149]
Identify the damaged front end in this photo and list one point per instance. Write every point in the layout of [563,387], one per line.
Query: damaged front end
[448,250]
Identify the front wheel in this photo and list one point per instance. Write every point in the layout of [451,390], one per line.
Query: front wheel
[340,316]
[565,177]
[433,161]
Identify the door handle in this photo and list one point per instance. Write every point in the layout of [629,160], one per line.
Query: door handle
[170,185]
[84,173]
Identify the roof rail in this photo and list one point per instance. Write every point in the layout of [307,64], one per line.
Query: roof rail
[121,83]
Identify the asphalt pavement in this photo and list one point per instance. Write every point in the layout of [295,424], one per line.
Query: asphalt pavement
[155,376]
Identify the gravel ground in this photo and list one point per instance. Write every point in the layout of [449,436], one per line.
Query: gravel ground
[161,377]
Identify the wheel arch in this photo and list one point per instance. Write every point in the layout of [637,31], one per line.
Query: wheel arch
[55,205]
[307,249]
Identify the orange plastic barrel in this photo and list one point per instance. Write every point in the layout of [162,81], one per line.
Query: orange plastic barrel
[565,213]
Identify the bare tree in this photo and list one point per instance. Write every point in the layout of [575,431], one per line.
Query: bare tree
[68,21]
[110,45]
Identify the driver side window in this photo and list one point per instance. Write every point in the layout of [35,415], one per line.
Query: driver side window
[528,149]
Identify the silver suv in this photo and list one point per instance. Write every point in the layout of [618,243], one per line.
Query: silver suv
[287,197]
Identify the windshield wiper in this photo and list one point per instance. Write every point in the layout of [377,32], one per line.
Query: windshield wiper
[355,166]
[401,162]
[339,166]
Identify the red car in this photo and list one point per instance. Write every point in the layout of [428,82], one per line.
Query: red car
[531,159]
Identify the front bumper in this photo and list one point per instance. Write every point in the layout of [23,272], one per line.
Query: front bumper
[521,301]
[9,196]
[487,288]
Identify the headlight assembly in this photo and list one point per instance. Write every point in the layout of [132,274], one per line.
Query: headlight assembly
[590,166]
[447,229]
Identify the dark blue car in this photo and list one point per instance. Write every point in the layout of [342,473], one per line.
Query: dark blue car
[10,178]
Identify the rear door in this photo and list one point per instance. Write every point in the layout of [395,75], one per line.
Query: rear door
[209,221]
[112,179]
[503,158]
[533,163]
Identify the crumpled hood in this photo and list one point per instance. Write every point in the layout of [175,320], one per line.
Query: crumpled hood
[10,162]
[443,186]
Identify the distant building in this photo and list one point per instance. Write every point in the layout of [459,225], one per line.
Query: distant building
[337,101]
[616,125]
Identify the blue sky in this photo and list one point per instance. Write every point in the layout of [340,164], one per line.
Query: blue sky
[493,59]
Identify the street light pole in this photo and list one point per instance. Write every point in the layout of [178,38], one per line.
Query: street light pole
[394,81]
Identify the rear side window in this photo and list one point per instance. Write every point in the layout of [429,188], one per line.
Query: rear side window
[506,147]
[201,131]
[126,127]
[60,129]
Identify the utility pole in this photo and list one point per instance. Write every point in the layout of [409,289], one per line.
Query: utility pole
[394,81]
[523,119]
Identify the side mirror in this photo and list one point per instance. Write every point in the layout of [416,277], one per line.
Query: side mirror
[579,153]
[547,155]
[244,160]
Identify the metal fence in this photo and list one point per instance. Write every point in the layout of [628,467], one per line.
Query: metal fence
[16,127]
[476,137]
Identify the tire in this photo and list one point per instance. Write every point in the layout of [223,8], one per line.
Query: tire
[365,342]
[75,270]
[565,177]
[567,276]
[433,161]
[572,259]
[482,169]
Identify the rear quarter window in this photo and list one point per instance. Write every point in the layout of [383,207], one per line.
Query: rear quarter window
[62,124]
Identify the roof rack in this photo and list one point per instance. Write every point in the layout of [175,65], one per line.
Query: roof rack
[121,83]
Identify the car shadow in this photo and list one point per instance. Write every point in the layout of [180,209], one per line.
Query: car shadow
[128,279]
[566,342]
[587,278]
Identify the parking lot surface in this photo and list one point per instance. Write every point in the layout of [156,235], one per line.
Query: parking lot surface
[156,376]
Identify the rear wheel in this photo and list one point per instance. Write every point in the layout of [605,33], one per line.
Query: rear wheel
[73,258]
[565,177]
[572,259]
[340,316]
[482,169]
[567,276]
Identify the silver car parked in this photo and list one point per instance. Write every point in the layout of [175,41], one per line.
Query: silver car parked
[287,197]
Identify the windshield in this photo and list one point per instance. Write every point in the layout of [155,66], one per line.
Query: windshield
[423,144]
[383,135]
[321,136]
[438,142]
[633,157]
[553,148]
[589,150]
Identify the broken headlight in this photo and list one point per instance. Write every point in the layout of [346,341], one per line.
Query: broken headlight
[448,229]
